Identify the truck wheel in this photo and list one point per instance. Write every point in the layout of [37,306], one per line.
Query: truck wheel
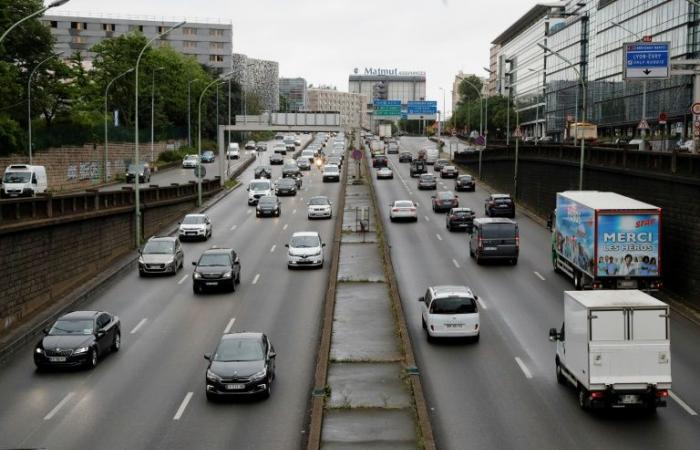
[577,280]
[582,400]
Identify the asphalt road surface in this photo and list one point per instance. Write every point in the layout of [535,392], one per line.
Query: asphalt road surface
[150,395]
[502,392]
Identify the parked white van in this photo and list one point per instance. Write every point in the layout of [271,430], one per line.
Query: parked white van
[23,180]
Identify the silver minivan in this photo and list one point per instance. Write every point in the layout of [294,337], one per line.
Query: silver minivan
[494,239]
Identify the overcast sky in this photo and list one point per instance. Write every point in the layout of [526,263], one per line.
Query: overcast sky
[324,40]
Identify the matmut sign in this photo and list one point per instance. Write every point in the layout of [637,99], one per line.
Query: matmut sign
[388,72]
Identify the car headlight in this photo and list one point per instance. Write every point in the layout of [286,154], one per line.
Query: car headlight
[39,350]
[169,263]
[197,275]
[81,350]
[141,260]
[259,375]
[227,274]
[317,253]
[211,376]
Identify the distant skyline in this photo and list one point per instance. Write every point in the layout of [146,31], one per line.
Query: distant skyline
[324,41]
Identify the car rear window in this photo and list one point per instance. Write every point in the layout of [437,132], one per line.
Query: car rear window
[499,230]
[404,204]
[501,201]
[453,305]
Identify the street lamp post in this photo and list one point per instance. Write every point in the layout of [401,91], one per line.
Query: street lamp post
[442,115]
[189,101]
[32,15]
[583,113]
[29,101]
[153,87]
[106,157]
[481,105]
[137,187]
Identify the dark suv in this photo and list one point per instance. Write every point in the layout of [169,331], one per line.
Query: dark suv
[216,268]
[460,219]
[500,205]
[142,169]
[380,161]
[418,167]
[494,239]
[465,183]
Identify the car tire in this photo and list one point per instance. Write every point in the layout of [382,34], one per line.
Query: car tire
[447,225]
[196,289]
[582,402]
[514,261]
[475,339]
[117,342]
[92,362]
[212,397]
[392,219]
[268,389]
[238,278]
[141,274]
[477,259]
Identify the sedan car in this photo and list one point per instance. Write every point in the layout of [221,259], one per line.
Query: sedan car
[450,312]
[268,205]
[250,145]
[427,181]
[499,205]
[393,147]
[449,172]
[385,173]
[319,207]
[190,162]
[444,201]
[208,157]
[439,164]
[465,183]
[263,172]
[286,186]
[303,163]
[405,157]
[305,250]
[379,161]
[242,364]
[331,173]
[77,339]
[161,255]
[460,219]
[403,210]
[195,226]
[216,268]
[276,159]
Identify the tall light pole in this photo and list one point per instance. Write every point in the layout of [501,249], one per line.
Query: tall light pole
[189,120]
[29,101]
[32,15]
[199,136]
[510,89]
[481,105]
[517,140]
[106,158]
[583,113]
[137,187]
[443,112]
[153,109]
[486,113]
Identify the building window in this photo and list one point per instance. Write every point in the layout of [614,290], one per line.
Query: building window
[79,40]
[109,27]
[78,25]
[161,29]
[136,28]
[216,32]
[54,24]
[189,31]
[216,58]
[189,44]
[216,45]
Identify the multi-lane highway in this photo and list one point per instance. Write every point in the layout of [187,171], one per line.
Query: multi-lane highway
[150,395]
[502,392]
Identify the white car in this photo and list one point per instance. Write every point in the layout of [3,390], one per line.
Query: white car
[234,151]
[190,161]
[250,145]
[385,173]
[403,210]
[258,188]
[305,250]
[297,141]
[331,172]
[195,226]
[308,154]
[450,311]
[280,149]
[320,207]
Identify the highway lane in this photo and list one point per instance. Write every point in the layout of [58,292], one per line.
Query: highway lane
[480,393]
[132,398]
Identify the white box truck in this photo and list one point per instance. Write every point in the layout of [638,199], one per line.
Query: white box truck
[24,180]
[614,348]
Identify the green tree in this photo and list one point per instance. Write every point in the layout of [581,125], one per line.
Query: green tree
[466,91]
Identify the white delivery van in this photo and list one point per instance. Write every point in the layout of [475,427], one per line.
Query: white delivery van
[258,188]
[615,349]
[24,180]
[234,151]
[431,155]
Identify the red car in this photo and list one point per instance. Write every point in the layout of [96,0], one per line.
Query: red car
[444,201]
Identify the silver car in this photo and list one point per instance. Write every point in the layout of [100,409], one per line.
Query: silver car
[161,255]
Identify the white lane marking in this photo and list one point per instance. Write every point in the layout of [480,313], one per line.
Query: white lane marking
[482,305]
[182,280]
[285,226]
[234,227]
[183,405]
[249,211]
[294,212]
[257,277]
[427,219]
[454,261]
[59,406]
[230,325]
[537,274]
[523,367]
[139,325]
[682,404]
[273,248]
[439,237]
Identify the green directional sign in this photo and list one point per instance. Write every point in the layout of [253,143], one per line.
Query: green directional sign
[387,108]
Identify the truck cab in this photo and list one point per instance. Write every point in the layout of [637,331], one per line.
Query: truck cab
[24,180]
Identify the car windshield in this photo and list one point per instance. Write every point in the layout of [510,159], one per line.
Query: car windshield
[304,242]
[426,177]
[214,259]
[159,247]
[17,177]
[230,350]
[319,201]
[135,167]
[403,204]
[460,213]
[499,231]
[290,167]
[289,141]
[453,305]
[193,220]
[286,182]
[191,158]
[465,178]
[259,186]
[501,201]
[64,327]
[267,201]
[445,195]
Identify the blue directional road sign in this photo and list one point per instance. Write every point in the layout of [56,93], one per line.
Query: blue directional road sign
[646,60]
[424,109]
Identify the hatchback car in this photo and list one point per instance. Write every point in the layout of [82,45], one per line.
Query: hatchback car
[405,157]
[276,159]
[263,172]
[268,205]
[290,169]
[331,173]
[444,201]
[427,181]
[216,268]
[190,162]
[403,210]
[439,164]
[385,173]
[286,186]
[380,161]
[459,219]
[77,339]
[450,312]
[305,250]
[494,239]
[195,226]
[465,183]
[279,149]
[449,172]
[208,157]
[335,160]
[319,207]
[242,364]
[161,255]
[499,205]
[418,166]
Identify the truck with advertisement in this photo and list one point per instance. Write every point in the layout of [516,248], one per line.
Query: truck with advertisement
[604,240]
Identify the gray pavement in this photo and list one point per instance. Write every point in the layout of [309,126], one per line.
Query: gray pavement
[478,394]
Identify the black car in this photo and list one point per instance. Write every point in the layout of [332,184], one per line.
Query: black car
[286,186]
[494,239]
[268,205]
[439,164]
[276,158]
[77,339]
[459,219]
[242,364]
[380,161]
[499,205]
[261,147]
[465,183]
[418,167]
[208,157]
[406,157]
[263,172]
[142,169]
[291,171]
[303,164]
[216,268]
[427,181]
[444,201]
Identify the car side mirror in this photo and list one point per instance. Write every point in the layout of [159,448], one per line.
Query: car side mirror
[99,333]
[421,299]
[286,245]
[553,334]
[433,196]
[323,244]
[140,251]
[194,263]
[273,354]
[207,356]
[45,330]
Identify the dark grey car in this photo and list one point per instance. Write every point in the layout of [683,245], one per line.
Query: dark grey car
[494,239]
[427,181]
[268,205]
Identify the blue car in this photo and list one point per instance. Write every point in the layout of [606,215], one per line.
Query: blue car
[208,157]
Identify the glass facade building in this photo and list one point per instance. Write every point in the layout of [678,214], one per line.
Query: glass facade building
[294,90]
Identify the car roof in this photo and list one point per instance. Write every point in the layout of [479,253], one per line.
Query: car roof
[162,238]
[500,195]
[242,335]
[195,215]
[451,290]
[461,209]
[80,315]
[306,233]
[218,250]
[486,220]
[446,193]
